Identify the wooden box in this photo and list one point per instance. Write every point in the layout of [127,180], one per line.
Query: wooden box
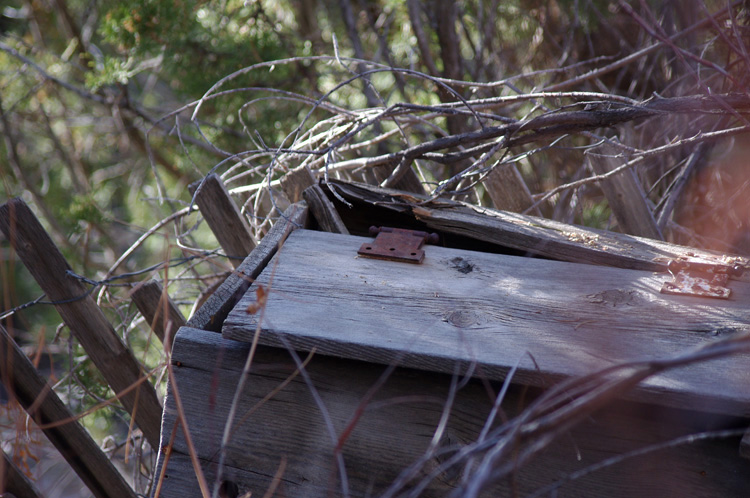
[351,376]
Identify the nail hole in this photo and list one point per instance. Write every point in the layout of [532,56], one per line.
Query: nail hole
[228,489]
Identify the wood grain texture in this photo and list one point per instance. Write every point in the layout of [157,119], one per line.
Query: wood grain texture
[508,191]
[324,211]
[157,308]
[493,310]
[223,217]
[396,426]
[211,315]
[296,181]
[78,310]
[534,235]
[624,194]
[70,438]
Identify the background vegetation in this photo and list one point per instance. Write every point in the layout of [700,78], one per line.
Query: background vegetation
[108,110]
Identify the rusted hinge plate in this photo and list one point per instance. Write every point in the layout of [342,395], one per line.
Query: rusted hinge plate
[397,244]
[699,278]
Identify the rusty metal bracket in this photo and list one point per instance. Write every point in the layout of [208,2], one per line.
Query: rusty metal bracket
[698,278]
[397,244]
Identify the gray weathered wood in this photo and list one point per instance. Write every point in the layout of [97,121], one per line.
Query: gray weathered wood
[79,311]
[508,191]
[323,210]
[396,426]
[534,235]
[296,181]
[12,480]
[157,308]
[211,315]
[494,310]
[625,195]
[223,217]
[407,180]
[70,438]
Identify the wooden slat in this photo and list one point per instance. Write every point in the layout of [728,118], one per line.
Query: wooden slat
[407,180]
[12,480]
[157,308]
[46,409]
[223,217]
[323,210]
[211,315]
[79,311]
[508,191]
[396,426]
[625,195]
[296,181]
[534,235]
[494,310]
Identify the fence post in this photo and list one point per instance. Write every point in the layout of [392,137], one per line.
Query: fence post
[78,310]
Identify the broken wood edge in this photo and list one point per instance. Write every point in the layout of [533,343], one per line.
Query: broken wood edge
[69,437]
[538,236]
[223,218]
[211,315]
[157,308]
[296,181]
[323,210]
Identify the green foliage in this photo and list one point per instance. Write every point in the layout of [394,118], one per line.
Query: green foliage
[196,42]
[597,215]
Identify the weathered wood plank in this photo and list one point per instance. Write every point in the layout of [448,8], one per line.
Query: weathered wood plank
[534,235]
[625,195]
[223,217]
[287,432]
[407,179]
[323,210]
[46,409]
[494,310]
[79,311]
[12,480]
[211,315]
[508,191]
[157,308]
[296,181]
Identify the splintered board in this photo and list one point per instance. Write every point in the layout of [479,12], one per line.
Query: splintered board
[491,312]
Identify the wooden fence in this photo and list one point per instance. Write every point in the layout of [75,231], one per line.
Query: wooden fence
[97,336]
[118,364]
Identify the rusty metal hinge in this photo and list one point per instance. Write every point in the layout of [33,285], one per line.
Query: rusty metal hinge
[397,244]
[701,278]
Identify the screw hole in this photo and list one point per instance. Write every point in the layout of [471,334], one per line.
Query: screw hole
[392,249]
